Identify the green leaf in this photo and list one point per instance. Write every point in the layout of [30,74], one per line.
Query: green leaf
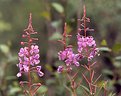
[50,82]
[11,77]
[4,48]
[58,7]
[49,67]
[117,61]
[108,72]
[42,89]
[12,58]
[105,49]
[118,58]
[56,24]
[67,88]
[69,29]
[14,90]
[112,94]
[98,91]
[85,88]
[117,48]
[46,15]
[55,36]
[101,86]
[4,26]
[104,43]
[117,64]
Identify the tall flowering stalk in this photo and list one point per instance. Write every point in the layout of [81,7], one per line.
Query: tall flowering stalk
[86,50]
[29,60]
[87,47]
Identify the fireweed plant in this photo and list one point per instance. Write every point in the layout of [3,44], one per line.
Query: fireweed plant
[87,49]
[28,60]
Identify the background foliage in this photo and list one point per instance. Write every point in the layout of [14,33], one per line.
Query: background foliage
[48,19]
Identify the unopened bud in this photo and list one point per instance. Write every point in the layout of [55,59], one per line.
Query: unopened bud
[22,43]
[30,40]
[34,38]
[23,36]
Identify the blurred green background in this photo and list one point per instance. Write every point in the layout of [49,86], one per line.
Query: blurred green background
[48,20]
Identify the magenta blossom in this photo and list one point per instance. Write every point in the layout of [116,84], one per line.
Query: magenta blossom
[27,57]
[23,52]
[69,57]
[34,49]
[85,41]
[93,53]
[32,57]
[28,60]
[87,46]
[60,69]
[40,73]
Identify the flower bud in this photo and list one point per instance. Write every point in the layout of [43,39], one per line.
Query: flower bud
[22,43]
[23,36]
[30,40]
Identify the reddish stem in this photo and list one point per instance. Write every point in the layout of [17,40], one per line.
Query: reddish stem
[28,32]
[29,48]
[73,84]
[90,85]
[29,73]
[84,18]
[65,35]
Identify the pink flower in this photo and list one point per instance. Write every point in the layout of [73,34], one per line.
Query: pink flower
[34,59]
[34,49]
[87,45]
[23,52]
[60,69]
[27,57]
[40,73]
[19,74]
[85,41]
[82,41]
[91,41]
[69,57]
[93,53]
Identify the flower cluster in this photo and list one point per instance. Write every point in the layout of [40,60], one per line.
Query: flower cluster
[69,58]
[87,46]
[27,57]
[86,51]
[85,41]
[29,60]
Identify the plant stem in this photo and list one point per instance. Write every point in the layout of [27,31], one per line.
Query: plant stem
[90,86]
[74,92]
[84,21]
[29,74]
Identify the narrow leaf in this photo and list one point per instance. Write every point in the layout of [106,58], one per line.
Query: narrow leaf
[85,78]
[105,49]
[85,88]
[58,7]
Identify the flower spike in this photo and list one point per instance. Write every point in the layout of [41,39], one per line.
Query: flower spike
[65,36]
[29,59]
[86,51]
[84,22]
